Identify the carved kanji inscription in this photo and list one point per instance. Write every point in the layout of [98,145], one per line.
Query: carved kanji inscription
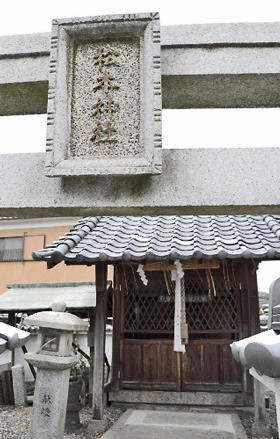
[110,107]
[104,101]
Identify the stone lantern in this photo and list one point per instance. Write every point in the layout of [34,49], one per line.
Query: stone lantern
[53,361]
[260,353]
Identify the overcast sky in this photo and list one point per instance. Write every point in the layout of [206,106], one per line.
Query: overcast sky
[27,16]
[181,128]
[221,128]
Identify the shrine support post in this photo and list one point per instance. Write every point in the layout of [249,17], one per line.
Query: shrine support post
[99,341]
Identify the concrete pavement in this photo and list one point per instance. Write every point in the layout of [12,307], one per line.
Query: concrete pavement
[153,424]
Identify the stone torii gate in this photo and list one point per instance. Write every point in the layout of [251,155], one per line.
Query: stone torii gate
[202,66]
[103,81]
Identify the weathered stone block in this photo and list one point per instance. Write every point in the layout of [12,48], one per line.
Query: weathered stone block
[97,426]
[49,404]
[104,101]
[19,385]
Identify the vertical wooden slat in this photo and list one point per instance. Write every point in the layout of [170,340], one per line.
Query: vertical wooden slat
[7,387]
[11,318]
[12,322]
[244,301]
[121,331]
[117,330]
[91,317]
[239,293]
[255,386]
[254,301]
[253,322]
[250,280]
[179,369]
[99,341]
[245,317]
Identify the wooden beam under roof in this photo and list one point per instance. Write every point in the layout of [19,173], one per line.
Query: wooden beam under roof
[186,265]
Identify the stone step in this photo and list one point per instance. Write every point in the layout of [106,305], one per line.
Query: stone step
[217,399]
[140,424]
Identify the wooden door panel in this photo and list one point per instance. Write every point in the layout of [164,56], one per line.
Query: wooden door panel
[232,370]
[132,363]
[151,361]
[200,364]
[169,364]
[211,363]
[153,365]
[192,367]
[208,364]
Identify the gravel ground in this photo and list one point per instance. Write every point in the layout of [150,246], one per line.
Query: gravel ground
[15,423]
[247,420]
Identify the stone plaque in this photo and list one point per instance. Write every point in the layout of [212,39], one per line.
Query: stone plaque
[104,102]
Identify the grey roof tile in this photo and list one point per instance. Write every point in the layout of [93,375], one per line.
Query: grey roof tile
[166,237]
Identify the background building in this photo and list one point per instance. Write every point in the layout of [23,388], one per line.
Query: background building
[20,237]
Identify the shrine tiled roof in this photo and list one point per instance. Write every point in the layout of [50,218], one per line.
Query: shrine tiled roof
[146,238]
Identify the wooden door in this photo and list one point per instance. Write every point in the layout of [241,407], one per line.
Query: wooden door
[209,365]
[143,342]
[150,364]
[206,365]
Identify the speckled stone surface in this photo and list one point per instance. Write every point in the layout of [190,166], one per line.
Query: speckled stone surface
[104,97]
[125,94]
[141,424]
[49,405]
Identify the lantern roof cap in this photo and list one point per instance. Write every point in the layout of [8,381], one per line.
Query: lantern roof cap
[57,320]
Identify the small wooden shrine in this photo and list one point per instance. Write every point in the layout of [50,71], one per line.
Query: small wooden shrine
[159,347]
[185,287]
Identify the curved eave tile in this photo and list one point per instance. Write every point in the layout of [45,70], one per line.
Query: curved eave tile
[166,237]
